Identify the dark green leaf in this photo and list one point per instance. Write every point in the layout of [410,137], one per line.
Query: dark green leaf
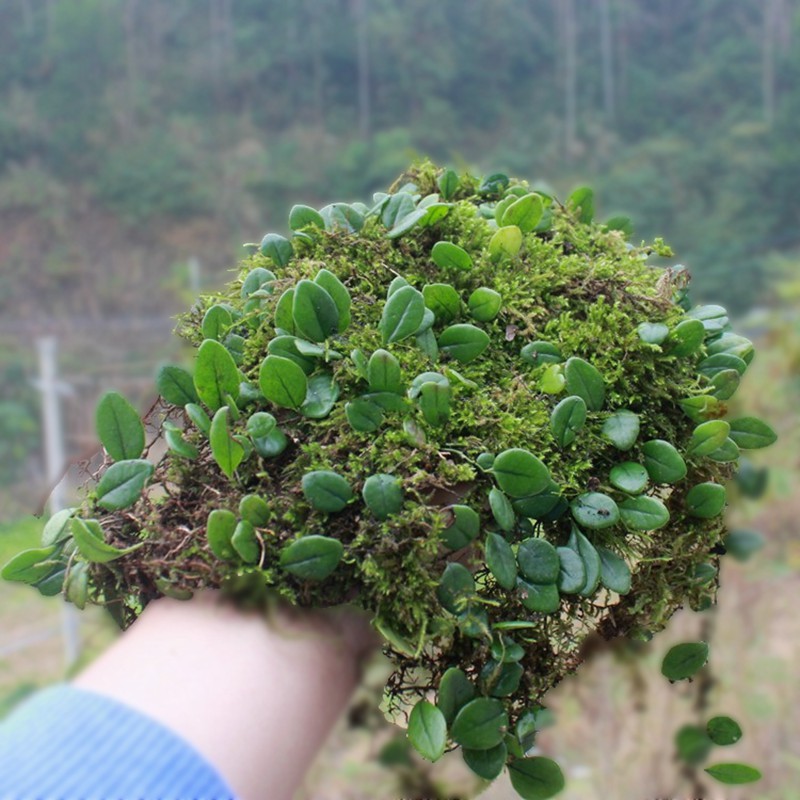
[312,558]
[495,183]
[388,401]
[711,366]
[383,373]
[615,574]
[686,338]
[572,572]
[591,560]
[751,433]
[464,342]
[463,529]
[502,510]
[119,427]
[480,724]
[692,744]
[643,513]
[282,382]
[216,322]
[684,660]
[176,385]
[538,353]
[257,280]
[501,679]
[500,560]
[427,730]
[321,395]
[663,462]
[595,510]
[728,453]
[215,374]
[284,320]
[220,528]
[751,480]
[341,216]
[586,382]
[227,452]
[326,490]
[734,773]
[741,544]
[301,215]
[519,473]
[277,248]
[700,408]
[568,417]
[706,500]
[434,402]
[455,691]
[723,731]
[286,347]
[89,539]
[123,483]
[364,415]
[537,777]
[622,429]
[314,312]
[484,304]
[505,243]
[383,495]
[402,314]
[447,183]
[255,510]
[629,477]
[77,585]
[714,318]
[582,202]
[486,764]
[456,587]
[339,294]
[450,256]
[443,300]
[538,561]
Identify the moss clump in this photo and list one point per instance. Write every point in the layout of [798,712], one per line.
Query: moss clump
[493,475]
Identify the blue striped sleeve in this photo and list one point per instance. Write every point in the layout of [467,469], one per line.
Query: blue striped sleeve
[69,744]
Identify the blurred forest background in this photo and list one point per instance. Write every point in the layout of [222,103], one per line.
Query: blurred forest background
[143,141]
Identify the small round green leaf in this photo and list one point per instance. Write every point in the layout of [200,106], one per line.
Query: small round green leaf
[519,473]
[714,318]
[123,483]
[486,764]
[733,773]
[57,528]
[216,322]
[464,342]
[450,256]
[725,383]
[663,462]
[536,778]
[257,280]
[552,380]
[706,500]
[723,731]
[591,560]
[383,373]
[568,417]
[314,312]
[245,542]
[572,572]
[502,510]
[750,433]
[300,216]
[119,427]
[734,344]
[90,541]
[686,338]
[585,381]
[595,510]
[463,529]
[277,248]
[538,353]
[542,598]
[254,509]
[643,513]
[227,451]
[629,477]
[653,332]
[456,587]
[500,560]
[484,304]
[741,544]
[692,744]
[283,382]
[339,294]
[481,724]
[326,490]
[622,429]
[29,566]
[383,495]
[447,183]
[713,365]
[443,300]
[321,395]
[505,243]
[434,402]
[402,314]
[427,730]
[615,574]
[215,375]
[455,691]
[219,532]
[312,558]
[538,561]
[582,202]
[363,415]
[176,385]
[525,212]
[684,660]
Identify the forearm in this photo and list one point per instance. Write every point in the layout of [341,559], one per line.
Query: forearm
[256,699]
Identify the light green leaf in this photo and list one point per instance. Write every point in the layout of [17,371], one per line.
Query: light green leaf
[622,429]
[119,427]
[525,212]
[30,566]
[450,256]
[402,314]
[629,477]
[714,318]
[255,510]
[552,380]
[227,452]
[443,300]
[484,304]
[176,385]
[581,201]
[312,558]
[595,510]
[178,445]
[568,417]
[326,490]
[427,730]
[713,365]
[199,418]
[663,462]
[725,383]
[585,381]
[464,342]
[734,773]
[216,374]
[245,542]
[684,660]
[708,437]
[284,320]
[57,528]
[686,338]
[220,528]
[538,353]
[734,345]
[282,382]
[505,243]
[643,513]
[500,560]
[519,473]
[383,495]
[257,280]
[750,433]
[123,483]
[91,543]
[653,332]
[216,322]
[706,500]
[448,183]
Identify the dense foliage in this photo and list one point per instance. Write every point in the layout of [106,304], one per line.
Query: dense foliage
[467,408]
[685,113]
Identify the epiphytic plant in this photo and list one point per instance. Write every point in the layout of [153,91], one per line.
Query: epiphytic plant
[469,409]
